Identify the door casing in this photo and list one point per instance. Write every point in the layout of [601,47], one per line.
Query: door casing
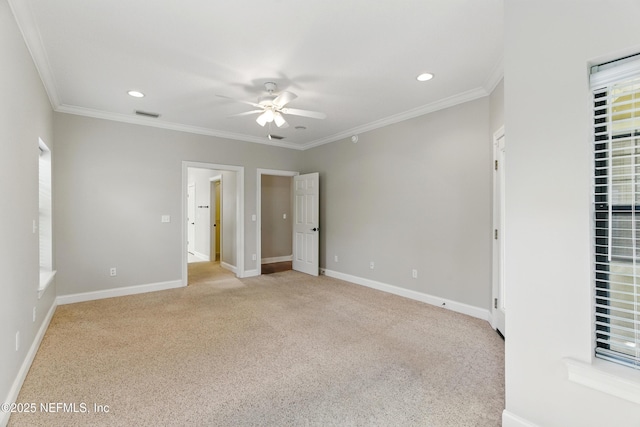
[498,300]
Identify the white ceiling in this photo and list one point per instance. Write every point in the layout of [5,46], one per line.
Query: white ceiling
[355,60]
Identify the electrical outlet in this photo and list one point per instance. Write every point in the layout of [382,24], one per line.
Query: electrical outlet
[112,272]
[165,218]
[17,340]
[372,265]
[335,258]
[414,273]
[254,257]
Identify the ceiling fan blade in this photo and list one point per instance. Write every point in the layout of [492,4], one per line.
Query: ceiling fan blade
[253,104]
[304,113]
[246,113]
[283,99]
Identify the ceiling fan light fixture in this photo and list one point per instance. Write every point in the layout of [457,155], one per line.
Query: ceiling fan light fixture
[262,120]
[278,119]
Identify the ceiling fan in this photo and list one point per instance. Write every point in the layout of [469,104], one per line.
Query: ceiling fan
[271,107]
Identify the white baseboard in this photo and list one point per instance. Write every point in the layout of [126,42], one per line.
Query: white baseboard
[251,273]
[26,364]
[229,267]
[511,420]
[201,256]
[277,259]
[459,307]
[118,292]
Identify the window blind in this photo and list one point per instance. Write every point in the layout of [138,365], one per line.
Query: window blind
[616,209]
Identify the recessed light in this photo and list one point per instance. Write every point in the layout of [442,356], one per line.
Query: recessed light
[424,77]
[136,94]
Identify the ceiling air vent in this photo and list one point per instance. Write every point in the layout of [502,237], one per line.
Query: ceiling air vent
[147,114]
[276,137]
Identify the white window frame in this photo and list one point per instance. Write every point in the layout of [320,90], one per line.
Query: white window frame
[600,374]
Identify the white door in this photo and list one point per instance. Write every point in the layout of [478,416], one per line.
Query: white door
[191,218]
[499,289]
[306,223]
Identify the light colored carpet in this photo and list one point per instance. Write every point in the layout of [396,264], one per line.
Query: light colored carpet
[284,349]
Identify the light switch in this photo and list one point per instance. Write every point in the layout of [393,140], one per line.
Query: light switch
[166,218]
[253,217]
[284,216]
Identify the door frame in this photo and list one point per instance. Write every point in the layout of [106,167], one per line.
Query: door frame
[239,170]
[259,173]
[498,316]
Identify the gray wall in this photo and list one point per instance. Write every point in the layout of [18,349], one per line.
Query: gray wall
[25,115]
[115,180]
[414,195]
[228,214]
[549,46]
[277,232]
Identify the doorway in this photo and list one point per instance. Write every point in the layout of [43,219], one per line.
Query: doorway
[305,228]
[227,247]
[275,220]
[498,311]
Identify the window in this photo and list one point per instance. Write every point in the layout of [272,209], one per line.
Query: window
[45,215]
[616,120]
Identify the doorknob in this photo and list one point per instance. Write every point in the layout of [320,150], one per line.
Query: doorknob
[315,229]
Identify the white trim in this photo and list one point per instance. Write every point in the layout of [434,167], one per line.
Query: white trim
[442,104]
[494,78]
[496,253]
[251,273]
[26,22]
[259,173]
[509,419]
[239,170]
[26,364]
[458,307]
[614,73]
[117,292]
[451,101]
[201,256]
[46,279]
[275,259]
[230,267]
[158,123]
[611,378]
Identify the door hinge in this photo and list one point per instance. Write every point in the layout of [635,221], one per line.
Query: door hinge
[495,234]
[495,303]
[496,165]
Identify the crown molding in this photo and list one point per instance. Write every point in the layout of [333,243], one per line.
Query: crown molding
[451,101]
[23,16]
[125,118]
[495,76]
